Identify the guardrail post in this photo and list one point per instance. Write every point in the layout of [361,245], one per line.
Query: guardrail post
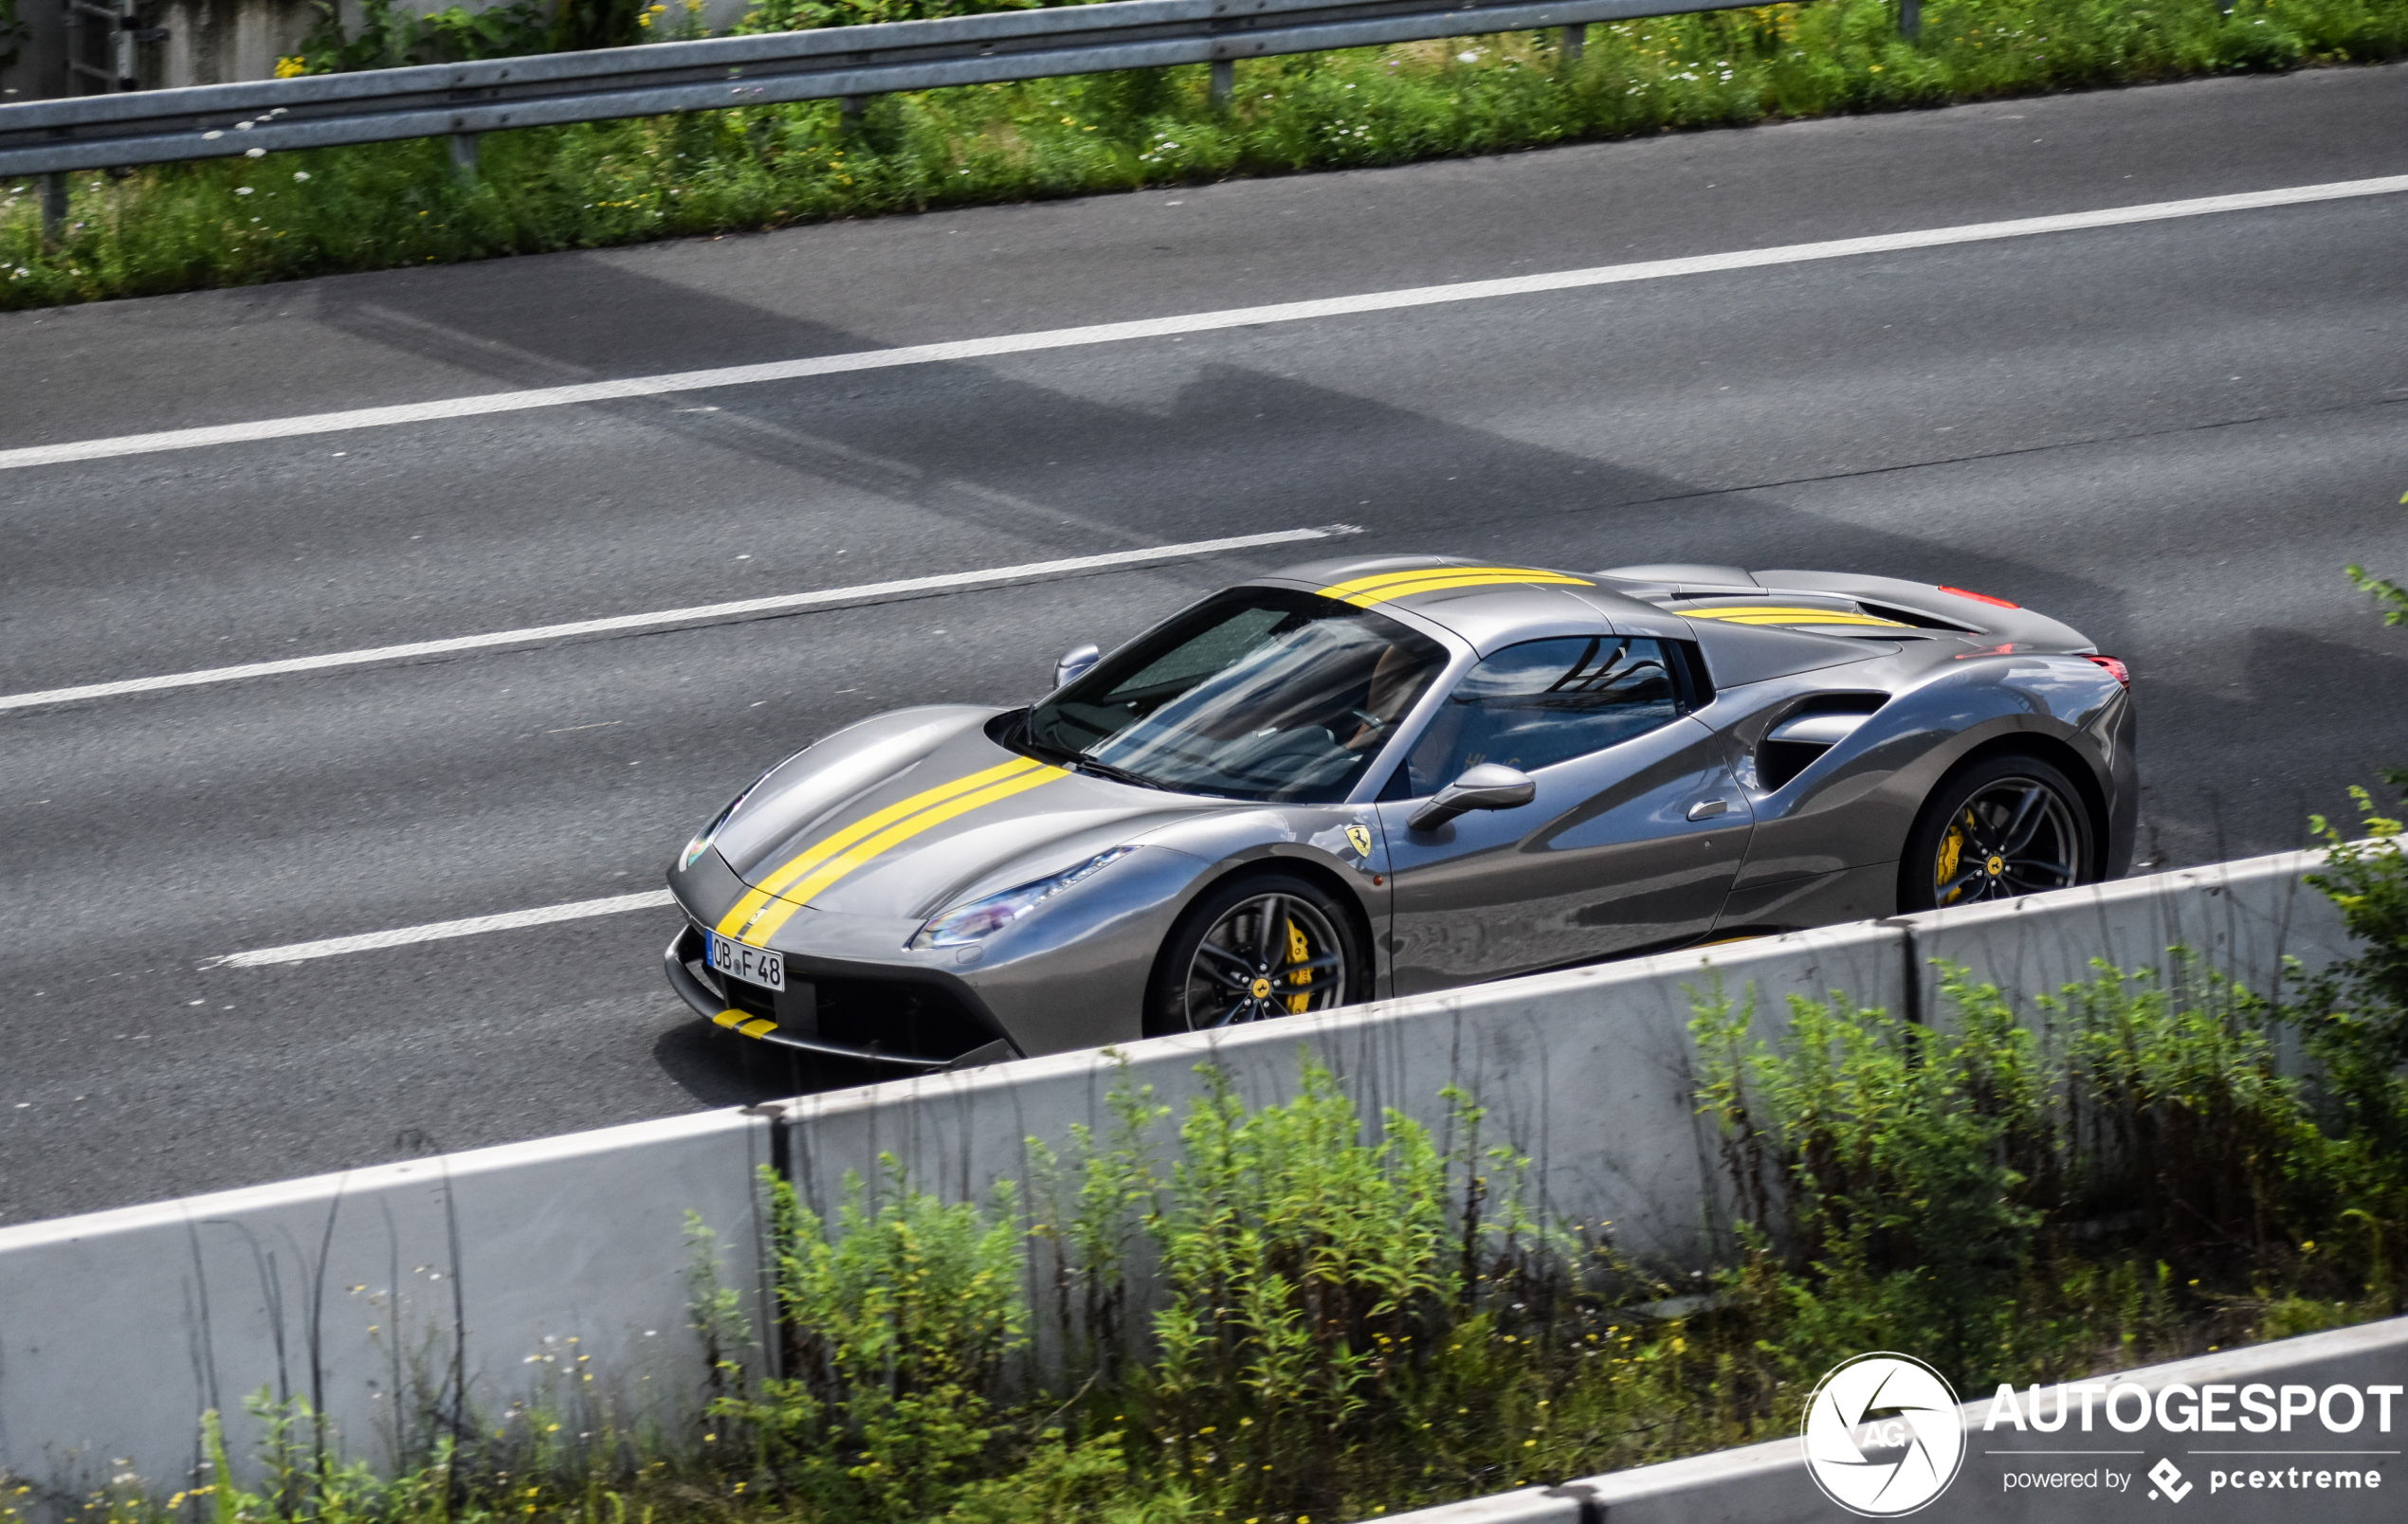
[54,207]
[1910,19]
[1574,40]
[1224,79]
[463,156]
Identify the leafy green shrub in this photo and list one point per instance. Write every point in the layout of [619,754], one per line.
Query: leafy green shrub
[1344,1317]
[2356,1013]
[895,1326]
[1992,1194]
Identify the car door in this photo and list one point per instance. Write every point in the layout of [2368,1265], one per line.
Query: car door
[1632,841]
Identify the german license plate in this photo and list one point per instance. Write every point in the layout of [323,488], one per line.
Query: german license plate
[754,965]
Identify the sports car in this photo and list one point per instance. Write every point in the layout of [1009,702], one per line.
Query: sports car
[1388,776]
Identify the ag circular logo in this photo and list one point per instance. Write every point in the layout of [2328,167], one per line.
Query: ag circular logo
[1881,1435]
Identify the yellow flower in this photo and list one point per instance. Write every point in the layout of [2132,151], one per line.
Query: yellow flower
[287,67]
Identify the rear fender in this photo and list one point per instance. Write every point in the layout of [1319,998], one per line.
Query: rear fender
[1856,805]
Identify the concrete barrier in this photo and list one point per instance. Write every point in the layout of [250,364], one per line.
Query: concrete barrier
[2240,920]
[393,1296]
[396,1299]
[1587,1071]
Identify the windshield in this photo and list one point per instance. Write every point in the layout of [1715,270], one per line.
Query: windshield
[1255,692]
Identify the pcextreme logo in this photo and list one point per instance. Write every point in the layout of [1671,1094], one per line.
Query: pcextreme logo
[1882,1436]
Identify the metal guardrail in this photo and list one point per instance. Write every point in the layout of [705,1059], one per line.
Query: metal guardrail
[847,63]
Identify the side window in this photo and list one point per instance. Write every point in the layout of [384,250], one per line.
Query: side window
[1542,702]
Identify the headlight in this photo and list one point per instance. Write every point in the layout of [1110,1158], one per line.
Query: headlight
[985,918]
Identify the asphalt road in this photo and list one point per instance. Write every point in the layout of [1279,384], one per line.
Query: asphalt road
[2171,435]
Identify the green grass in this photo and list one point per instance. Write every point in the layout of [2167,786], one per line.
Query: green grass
[289,215]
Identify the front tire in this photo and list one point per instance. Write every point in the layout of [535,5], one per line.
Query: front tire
[2005,827]
[1255,948]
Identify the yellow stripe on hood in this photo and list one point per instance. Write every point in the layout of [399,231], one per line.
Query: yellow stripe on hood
[754,915]
[1364,591]
[1781,614]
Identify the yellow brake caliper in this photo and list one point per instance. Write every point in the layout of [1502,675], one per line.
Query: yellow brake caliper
[1952,851]
[1297,952]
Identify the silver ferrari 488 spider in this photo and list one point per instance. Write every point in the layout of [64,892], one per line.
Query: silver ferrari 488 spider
[1387,776]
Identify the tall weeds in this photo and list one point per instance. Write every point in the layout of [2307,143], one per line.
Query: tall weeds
[1335,1314]
[2134,1176]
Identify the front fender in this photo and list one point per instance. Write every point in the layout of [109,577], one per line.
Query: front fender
[1073,974]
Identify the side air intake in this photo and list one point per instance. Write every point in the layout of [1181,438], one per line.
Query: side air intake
[1806,733]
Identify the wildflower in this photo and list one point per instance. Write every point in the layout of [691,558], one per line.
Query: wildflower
[242,190]
[304,175]
[287,67]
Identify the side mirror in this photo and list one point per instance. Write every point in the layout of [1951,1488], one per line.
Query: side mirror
[1074,663]
[1489,786]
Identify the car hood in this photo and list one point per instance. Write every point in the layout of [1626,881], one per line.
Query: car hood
[910,812]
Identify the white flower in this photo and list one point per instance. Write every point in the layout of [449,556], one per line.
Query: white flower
[1466,57]
[301,175]
[242,190]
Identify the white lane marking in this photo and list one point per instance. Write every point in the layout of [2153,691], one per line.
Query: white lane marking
[702,614]
[1286,311]
[438,931]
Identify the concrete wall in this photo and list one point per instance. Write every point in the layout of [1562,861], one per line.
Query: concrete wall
[1588,1070]
[512,1272]
[2237,920]
[363,1291]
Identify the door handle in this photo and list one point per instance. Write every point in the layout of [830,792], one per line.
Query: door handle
[1708,809]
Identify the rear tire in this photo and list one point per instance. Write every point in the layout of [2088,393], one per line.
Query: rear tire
[1255,948]
[2003,828]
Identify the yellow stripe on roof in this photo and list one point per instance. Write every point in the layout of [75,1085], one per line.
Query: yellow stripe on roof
[1364,591]
[1776,614]
[799,891]
[749,906]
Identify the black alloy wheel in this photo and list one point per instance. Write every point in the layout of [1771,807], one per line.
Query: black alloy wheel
[1254,949]
[2006,826]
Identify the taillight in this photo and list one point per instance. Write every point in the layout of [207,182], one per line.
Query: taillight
[1981,597]
[2115,669]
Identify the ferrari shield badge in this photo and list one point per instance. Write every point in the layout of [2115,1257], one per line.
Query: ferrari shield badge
[1359,839]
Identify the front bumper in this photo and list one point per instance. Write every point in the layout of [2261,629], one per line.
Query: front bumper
[909,1026]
